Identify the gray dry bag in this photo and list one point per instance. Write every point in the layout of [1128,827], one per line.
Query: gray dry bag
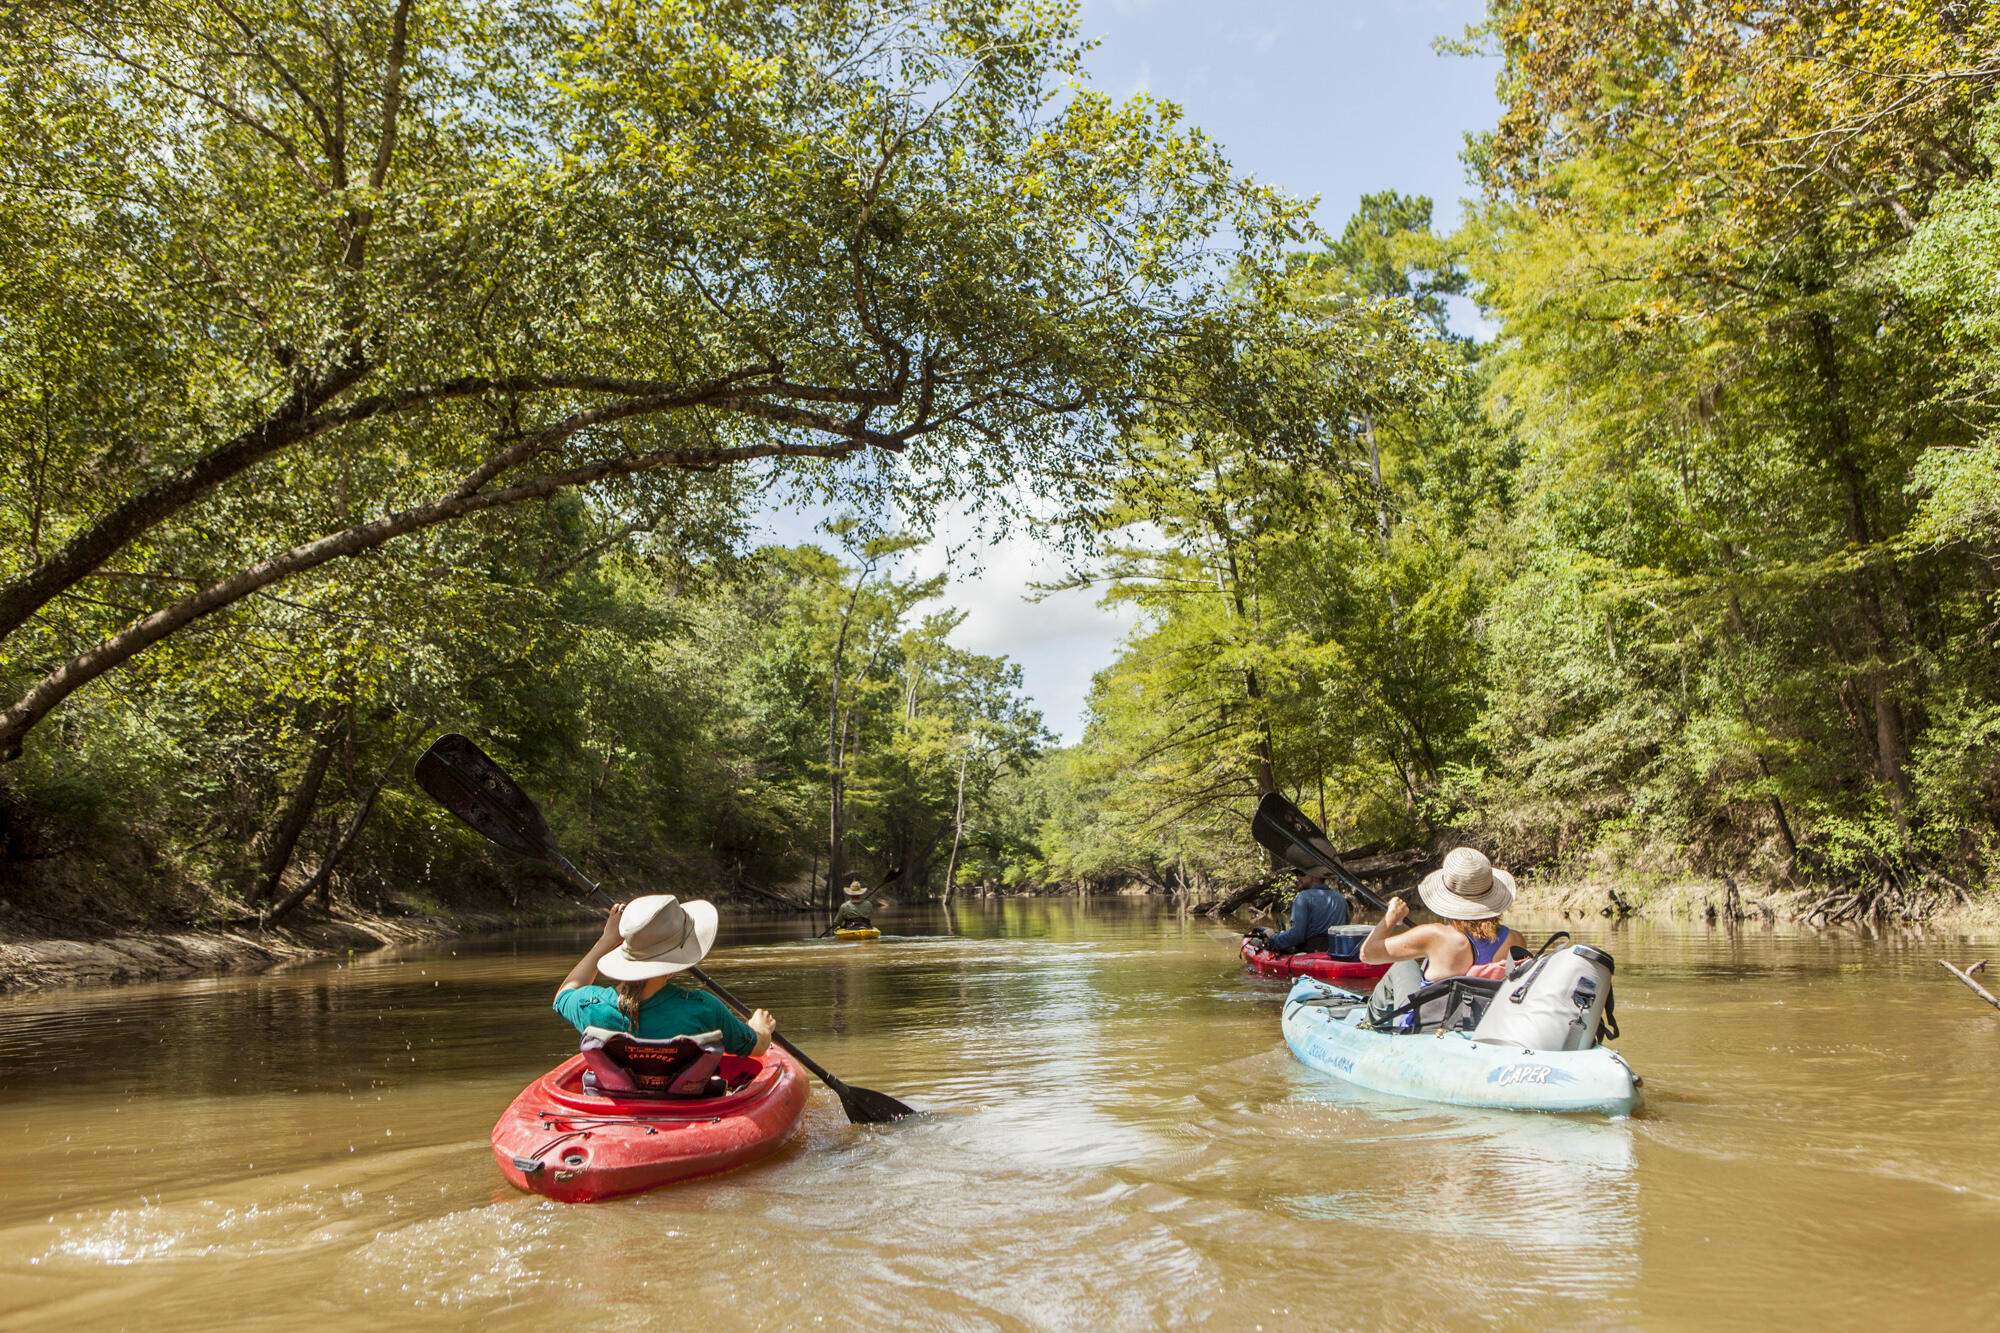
[1557,1002]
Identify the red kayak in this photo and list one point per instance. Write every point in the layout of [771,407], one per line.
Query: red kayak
[1324,966]
[577,1147]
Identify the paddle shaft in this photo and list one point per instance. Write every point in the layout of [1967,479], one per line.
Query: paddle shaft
[577,877]
[1353,886]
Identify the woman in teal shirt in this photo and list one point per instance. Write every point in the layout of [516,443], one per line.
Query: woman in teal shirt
[644,944]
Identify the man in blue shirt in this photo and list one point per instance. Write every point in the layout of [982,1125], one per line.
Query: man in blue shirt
[1316,909]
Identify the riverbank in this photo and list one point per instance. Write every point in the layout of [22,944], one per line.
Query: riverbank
[1667,900]
[1713,901]
[45,963]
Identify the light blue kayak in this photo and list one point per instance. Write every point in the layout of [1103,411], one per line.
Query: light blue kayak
[1323,1028]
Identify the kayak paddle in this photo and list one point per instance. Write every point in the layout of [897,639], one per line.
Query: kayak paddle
[465,780]
[1282,828]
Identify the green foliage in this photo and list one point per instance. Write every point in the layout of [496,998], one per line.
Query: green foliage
[1753,605]
[1305,626]
[378,367]
[1694,563]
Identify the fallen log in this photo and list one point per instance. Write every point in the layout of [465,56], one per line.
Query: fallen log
[1966,977]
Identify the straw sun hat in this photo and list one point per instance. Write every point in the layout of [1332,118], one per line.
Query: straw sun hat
[1467,887]
[855,889]
[662,935]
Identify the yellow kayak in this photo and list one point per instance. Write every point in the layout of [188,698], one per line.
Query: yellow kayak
[862,933]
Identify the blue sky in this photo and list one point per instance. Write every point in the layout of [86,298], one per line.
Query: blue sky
[1334,98]
[1325,98]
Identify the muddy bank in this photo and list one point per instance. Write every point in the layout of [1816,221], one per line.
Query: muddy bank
[1715,901]
[45,963]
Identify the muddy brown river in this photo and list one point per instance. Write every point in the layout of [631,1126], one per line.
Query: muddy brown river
[1121,1139]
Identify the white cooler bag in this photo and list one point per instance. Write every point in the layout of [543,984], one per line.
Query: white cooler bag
[1558,1003]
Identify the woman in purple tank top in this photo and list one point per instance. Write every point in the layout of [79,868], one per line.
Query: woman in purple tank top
[1469,892]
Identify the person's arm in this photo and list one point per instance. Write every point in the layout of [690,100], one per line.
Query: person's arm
[585,970]
[1291,937]
[739,1037]
[1382,947]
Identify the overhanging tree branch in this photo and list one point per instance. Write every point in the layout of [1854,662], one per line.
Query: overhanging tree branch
[28,711]
[304,415]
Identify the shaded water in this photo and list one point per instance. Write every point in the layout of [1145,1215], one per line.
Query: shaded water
[1122,1139]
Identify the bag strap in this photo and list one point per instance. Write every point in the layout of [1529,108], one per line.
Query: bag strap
[1520,992]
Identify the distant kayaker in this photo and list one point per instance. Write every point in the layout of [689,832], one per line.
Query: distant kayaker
[644,945]
[1470,893]
[1316,909]
[853,913]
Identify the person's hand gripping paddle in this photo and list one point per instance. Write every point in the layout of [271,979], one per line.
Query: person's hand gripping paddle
[464,780]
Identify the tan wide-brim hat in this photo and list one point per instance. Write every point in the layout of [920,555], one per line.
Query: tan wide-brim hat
[855,889]
[1467,887]
[662,935]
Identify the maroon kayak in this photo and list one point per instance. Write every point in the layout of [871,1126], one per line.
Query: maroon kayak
[1323,966]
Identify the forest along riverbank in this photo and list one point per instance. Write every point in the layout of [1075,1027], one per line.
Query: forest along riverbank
[1115,1113]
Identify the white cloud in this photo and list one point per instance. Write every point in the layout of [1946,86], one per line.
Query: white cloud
[1061,639]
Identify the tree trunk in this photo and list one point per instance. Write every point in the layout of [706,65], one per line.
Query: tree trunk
[322,878]
[26,713]
[292,422]
[1229,582]
[298,809]
[957,830]
[1890,738]
[1739,624]
[836,728]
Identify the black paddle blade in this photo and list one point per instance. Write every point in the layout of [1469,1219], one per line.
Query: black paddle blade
[464,780]
[865,1106]
[1282,828]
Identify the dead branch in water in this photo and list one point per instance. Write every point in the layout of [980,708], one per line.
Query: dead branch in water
[1966,977]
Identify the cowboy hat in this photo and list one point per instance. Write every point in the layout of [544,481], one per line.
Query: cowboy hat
[1467,887]
[855,889]
[662,935]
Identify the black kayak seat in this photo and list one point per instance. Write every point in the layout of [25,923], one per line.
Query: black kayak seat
[1455,1004]
[622,1065]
